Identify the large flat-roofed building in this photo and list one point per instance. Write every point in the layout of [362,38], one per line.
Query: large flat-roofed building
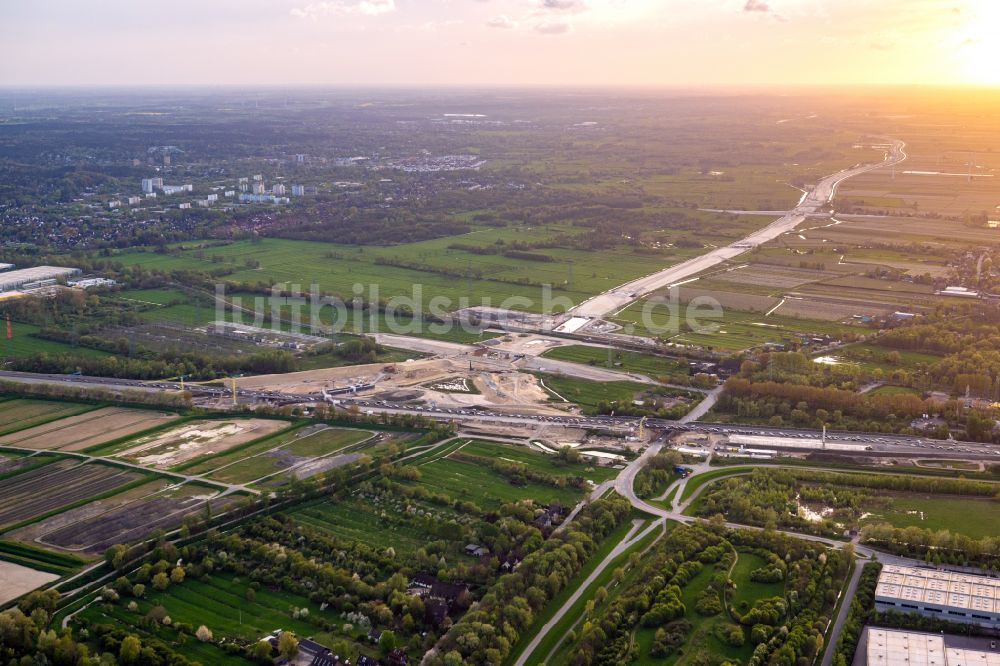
[891,647]
[11,280]
[903,648]
[963,657]
[946,595]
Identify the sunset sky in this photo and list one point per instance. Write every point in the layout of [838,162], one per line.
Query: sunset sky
[505,42]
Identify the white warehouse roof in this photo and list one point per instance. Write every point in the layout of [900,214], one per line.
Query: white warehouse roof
[14,279]
[944,588]
[902,648]
[891,647]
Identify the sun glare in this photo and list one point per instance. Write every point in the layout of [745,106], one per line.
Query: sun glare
[979,48]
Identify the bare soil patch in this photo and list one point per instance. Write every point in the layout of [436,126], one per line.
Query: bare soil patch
[131,522]
[16,580]
[30,533]
[58,484]
[76,433]
[178,445]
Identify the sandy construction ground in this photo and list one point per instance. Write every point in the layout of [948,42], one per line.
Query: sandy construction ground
[191,440]
[16,580]
[76,433]
[309,381]
[532,345]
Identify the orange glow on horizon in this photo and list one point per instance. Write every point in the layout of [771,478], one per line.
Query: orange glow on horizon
[979,49]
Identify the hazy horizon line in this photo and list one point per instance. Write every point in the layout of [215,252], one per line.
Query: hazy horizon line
[710,86]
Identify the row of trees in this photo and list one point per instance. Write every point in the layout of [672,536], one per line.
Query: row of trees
[486,634]
[860,612]
[935,547]
[770,498]
[783,630]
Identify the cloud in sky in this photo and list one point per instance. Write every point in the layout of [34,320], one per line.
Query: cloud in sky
[551,27]
[363,7]
[757,6]
[570,42]
[563,5]
[501,21]
[763,8]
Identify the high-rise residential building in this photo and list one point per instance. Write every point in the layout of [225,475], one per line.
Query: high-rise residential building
[278,190]
[151,184]
[298,190]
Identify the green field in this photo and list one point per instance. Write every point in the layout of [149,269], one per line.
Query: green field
[976,518]
[647,364]
[588,393]
[701,636]
[23,344]
[207,465]
[151,296]
[747,591]
[220,603]
[162,306]
[872,356]
[357,520]
[896,390]
[484,487]
[736,330]
[576,274]
[20,414]
[699,480]
[326,441]
[960,465]
[535,460]
[259,460]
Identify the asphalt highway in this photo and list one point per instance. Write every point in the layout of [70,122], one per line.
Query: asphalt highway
[767,437]
[811,203]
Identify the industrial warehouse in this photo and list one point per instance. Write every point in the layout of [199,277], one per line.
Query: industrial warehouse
[888,647]
[945,595]
[37,276]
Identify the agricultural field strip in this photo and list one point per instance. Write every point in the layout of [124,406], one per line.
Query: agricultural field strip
[19,414]
[53,427]
[451,448]
[17,579]
[76,433]
[86,512]
[166,449]
[112,462]
[21,500]
[311,460]
[349,520]
[96,528]
[486,487]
